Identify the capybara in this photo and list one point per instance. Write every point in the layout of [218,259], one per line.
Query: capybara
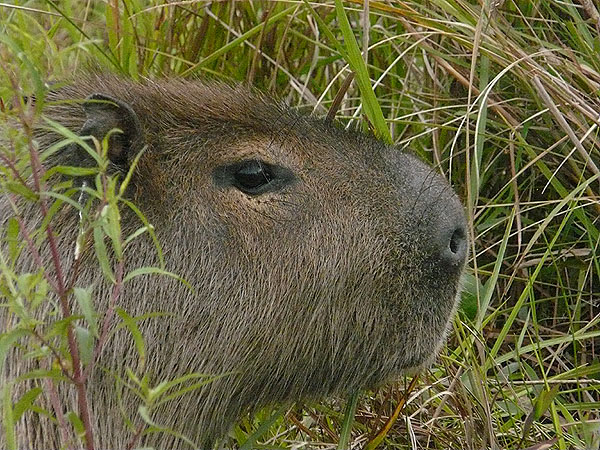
[318,261]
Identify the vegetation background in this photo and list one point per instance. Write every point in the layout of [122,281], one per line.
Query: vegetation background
[501,96]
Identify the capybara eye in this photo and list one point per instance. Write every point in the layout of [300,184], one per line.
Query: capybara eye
[251,176]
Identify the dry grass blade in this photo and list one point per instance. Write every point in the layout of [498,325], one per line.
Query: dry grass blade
[381,434]
[564,125]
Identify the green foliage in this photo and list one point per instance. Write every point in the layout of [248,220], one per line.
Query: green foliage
[490,93]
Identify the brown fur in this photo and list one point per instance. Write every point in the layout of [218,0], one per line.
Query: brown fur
[328,285]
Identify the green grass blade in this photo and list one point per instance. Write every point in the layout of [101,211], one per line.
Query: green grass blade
[346,432]
[238,41]
[355,60]
[263,428]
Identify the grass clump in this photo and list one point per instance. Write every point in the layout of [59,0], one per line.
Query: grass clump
[502,97]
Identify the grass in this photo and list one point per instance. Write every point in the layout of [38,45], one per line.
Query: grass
[502,97]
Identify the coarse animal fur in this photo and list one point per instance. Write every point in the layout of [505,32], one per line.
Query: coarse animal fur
[327,283]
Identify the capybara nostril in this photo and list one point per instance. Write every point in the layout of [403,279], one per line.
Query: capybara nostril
[456,248]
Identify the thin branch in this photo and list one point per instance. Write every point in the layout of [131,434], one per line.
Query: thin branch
[55,402]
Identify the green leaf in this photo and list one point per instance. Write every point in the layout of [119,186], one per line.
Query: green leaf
[541,405]
[49,151]
[138,338]
[111,224]
[21,190]
[207,379]
[12,238]
[25,402]
[143,411]
[84,299]
[8,417]
[71,171]
[150,227]
[7,340]
[79,140]
[134,235]
[40,374]
[77,424]
[102,254]
[154,270]
[145,414]
[544,400]
[157,391]
[55,208]
[86,344]
[131,170]
[59,327]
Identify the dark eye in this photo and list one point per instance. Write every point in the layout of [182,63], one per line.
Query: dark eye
[251,176]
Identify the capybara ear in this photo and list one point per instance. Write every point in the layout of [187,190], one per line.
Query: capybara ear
[105,113]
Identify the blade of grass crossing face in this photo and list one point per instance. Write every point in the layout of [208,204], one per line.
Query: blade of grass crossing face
[358,65]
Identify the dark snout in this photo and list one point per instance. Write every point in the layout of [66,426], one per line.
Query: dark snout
[437,217]
[441,219]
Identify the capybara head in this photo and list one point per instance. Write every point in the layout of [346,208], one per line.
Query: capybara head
[320,261]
